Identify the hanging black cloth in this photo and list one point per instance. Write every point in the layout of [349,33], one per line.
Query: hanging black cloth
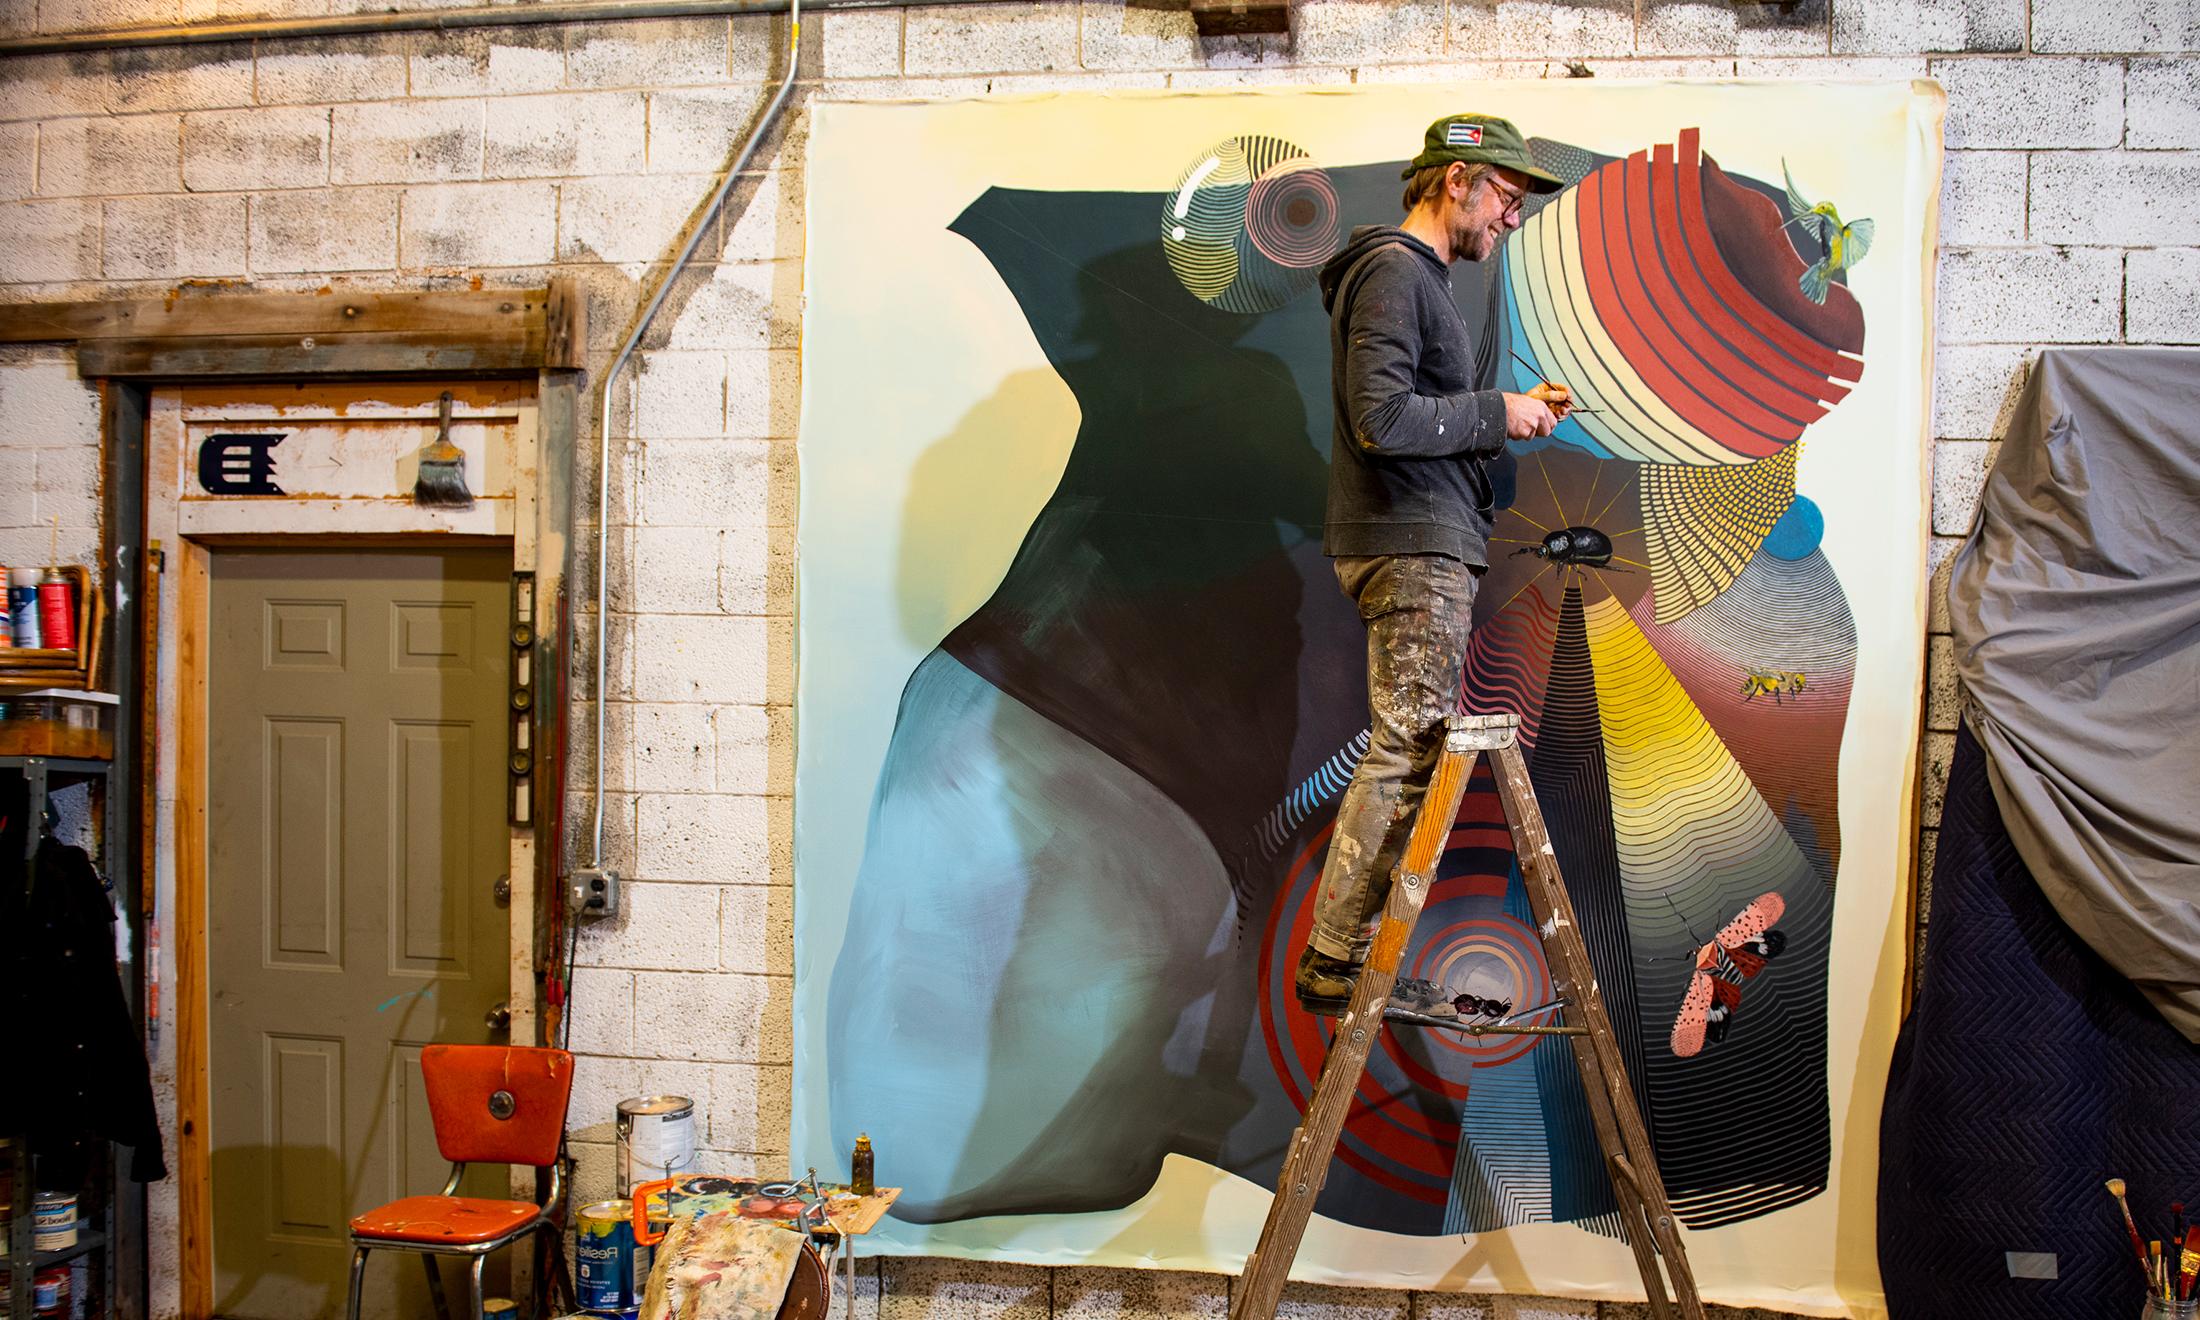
[85,1072]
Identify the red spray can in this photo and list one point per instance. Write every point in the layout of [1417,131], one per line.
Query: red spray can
[57,611]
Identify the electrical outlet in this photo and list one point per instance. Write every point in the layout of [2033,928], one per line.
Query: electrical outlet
[591,894]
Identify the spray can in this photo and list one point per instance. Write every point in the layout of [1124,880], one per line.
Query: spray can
[7,624]
[862,1178]
[57,610]
[23,606]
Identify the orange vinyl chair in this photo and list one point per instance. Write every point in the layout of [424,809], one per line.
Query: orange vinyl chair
[495,1104]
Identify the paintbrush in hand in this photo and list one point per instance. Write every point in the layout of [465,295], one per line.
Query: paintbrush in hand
[1530,367]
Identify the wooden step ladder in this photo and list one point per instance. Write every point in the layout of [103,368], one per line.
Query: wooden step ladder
[1646,1218]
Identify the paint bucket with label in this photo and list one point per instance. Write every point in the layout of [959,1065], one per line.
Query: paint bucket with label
[603,1256]
[499,1308]
[50,1290]
[53,1221]
[656,1136]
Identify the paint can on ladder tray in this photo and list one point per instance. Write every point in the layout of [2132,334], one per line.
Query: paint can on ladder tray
[656,1136]
[603,1257]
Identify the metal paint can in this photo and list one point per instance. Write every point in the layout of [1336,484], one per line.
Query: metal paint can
[23,606]
[57,610]
[656,1139]
[7,617]
[499,1308]
[50,1290]
[603,1256]
[53,1221]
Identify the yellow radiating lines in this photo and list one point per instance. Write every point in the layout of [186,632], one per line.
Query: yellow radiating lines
[1702,526]
[1681,805]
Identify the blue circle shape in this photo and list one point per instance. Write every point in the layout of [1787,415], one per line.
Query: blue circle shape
[1798,532]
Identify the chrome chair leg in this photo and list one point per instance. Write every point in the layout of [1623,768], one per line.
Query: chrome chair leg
[358,1281]
[474,1298]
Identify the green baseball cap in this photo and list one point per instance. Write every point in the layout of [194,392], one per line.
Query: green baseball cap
[1481,139]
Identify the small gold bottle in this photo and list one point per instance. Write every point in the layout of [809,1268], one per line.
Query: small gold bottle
[861,1181]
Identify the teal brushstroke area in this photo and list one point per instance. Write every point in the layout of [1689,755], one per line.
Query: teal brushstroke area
[1017,1009]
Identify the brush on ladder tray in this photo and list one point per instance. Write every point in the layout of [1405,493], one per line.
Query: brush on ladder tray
[442,479]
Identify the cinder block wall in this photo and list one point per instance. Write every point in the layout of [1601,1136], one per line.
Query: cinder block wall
[511,155]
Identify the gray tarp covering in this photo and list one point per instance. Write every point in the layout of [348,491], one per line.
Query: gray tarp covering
[2076,609]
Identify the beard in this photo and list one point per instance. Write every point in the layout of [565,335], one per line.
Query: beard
[1471,238]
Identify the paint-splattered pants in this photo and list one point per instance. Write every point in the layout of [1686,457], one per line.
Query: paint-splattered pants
[1417,609]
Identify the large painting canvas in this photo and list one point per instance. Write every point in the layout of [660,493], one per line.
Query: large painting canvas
[1077,691]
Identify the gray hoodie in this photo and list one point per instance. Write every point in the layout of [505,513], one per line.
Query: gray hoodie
[1415,416]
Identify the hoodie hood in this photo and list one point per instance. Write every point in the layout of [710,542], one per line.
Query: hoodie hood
[1363,240]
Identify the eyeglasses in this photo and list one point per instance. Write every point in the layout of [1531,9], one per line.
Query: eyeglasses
[1513,200]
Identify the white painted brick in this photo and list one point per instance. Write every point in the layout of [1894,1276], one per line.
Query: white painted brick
[709,838]
[574,135]
[1866,66]
[594,1175]
[1455,1306]
[763,216]
[93,15]
[1942,692]
[234,151]
[731,483]
[1940,554]
[2162,296]
[655,52]
[412,142]
[758,50]
[1350,32]
[693,657]
[756,929]
[756,571]
[682,394]
[676,570]
[131,80]
[603,1011]
[600,1083]
[2030,295]
[1982,197]
[722,1017]
[756,755]
[751,1106]
[1975,388]
[1448,71]
[475,225]
[488,62]
[631,220]
[1959,474]
[997,38]
[34,545]
[763,393]
[1313,1301]
[2115,26]
[747,304]
[672,748]
[167,238]
[1075,80]
[1129,38]
[1998,103]
[325,69]
[1695,27]
[65,485]
[903,89]
[49,240]
[1537,29]
[857,44]
[919,1288]
[45,403]
[2131,199]
[343,229]
[658,928]
[18,160]
[2162,103]
[109,156]
[1903,27]
[697,132]
[39,86]
[1085,1293]
[1940,753]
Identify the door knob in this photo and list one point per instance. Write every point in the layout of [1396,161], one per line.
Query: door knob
[499,1016]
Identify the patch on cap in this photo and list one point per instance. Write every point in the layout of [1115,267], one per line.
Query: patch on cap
[1462,135]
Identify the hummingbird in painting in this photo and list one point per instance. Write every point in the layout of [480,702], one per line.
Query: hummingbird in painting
[1845,244]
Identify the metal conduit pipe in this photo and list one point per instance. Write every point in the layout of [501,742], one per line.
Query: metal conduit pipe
[432,20]
[611,379]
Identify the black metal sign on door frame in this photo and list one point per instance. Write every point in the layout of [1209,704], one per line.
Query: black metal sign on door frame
[238,464]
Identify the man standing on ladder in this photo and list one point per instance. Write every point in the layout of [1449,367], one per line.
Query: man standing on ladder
[1410,501]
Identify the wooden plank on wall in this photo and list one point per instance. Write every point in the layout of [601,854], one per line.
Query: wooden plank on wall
[194,315]
[194,1150]
[488,348]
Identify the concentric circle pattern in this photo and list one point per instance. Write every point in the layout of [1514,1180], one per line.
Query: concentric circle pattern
[1249,224]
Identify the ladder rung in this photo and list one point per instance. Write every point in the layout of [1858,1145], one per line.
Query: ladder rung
[1473,1028]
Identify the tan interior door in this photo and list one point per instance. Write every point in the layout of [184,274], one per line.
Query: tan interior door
[355,835]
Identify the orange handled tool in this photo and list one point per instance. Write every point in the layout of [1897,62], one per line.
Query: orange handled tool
[641,1194]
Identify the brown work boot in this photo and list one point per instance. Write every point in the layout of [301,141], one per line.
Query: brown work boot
[1325,984]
